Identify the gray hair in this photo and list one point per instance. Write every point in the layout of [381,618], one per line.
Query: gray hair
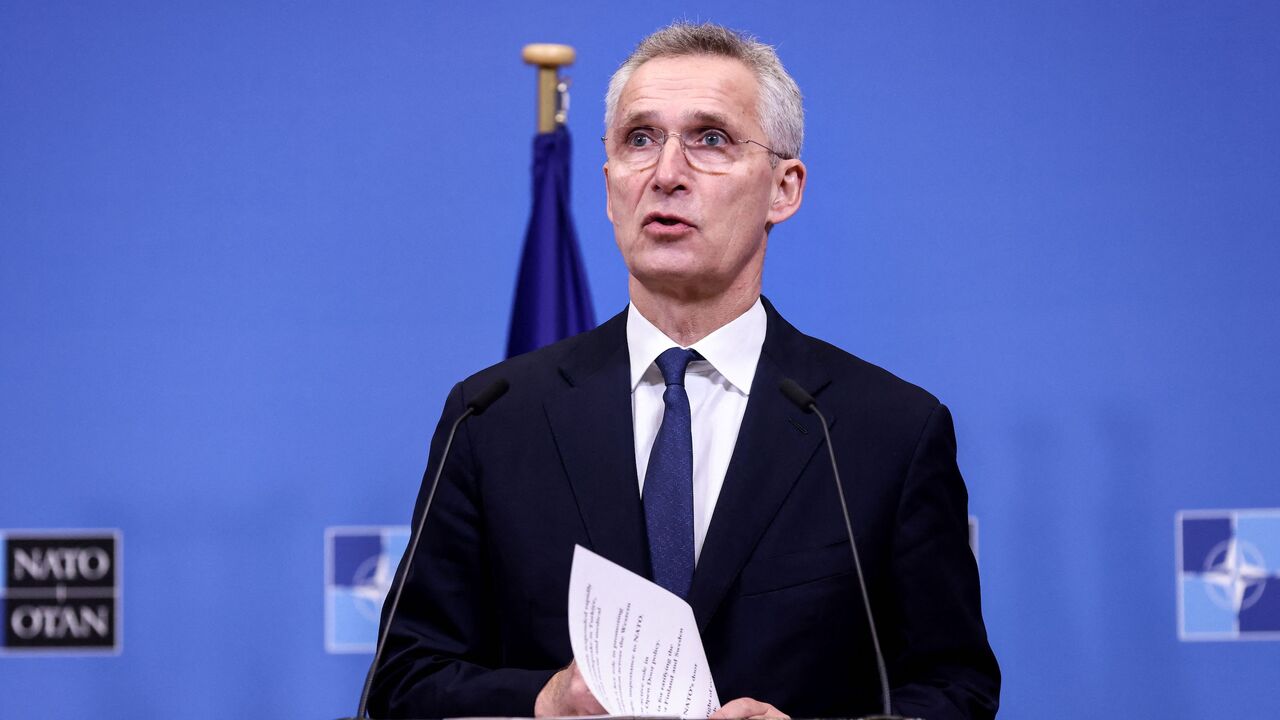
[780,109]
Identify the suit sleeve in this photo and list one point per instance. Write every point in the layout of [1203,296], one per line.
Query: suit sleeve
[941,663]
[442,657]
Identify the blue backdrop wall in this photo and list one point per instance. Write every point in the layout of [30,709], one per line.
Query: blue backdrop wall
[246,248]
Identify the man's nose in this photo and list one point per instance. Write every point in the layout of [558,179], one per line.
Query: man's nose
[673,169]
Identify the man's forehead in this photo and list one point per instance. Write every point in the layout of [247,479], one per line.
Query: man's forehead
[704,89]
[686,117]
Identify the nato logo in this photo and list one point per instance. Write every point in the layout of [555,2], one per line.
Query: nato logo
[61,591]
[360,563]
[1229,574]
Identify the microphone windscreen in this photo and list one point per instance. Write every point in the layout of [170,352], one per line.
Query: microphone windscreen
[796,394]
[488,396]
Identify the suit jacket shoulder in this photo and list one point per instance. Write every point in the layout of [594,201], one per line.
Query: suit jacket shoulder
[566,363]
[847,385]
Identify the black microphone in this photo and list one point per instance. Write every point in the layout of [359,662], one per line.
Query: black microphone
[805,402]
[478,405]
[488,396]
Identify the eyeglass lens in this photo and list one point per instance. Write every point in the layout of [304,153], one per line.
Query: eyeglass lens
[708,150]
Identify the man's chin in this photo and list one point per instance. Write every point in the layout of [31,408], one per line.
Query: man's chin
[679,283]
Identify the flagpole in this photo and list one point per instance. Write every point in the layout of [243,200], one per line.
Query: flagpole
[552,300]
[549,58]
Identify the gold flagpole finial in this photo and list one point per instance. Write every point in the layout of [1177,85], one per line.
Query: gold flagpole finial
[552,94]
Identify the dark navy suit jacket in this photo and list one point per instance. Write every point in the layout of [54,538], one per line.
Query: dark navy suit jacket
[482,625]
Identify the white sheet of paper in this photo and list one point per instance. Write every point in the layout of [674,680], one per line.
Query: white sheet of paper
[637,645]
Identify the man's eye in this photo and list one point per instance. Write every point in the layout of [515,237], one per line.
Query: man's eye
[640,139]
[713,138]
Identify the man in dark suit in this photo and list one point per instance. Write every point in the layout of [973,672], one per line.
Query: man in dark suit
[661,442]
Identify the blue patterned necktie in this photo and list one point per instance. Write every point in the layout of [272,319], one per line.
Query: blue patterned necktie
[668,483]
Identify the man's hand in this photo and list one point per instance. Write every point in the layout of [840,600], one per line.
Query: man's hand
[748,708]
[566,694]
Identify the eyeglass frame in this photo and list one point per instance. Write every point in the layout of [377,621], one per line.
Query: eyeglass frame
[684,149]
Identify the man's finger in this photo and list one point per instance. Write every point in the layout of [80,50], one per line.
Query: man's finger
[583,701]
[567,694]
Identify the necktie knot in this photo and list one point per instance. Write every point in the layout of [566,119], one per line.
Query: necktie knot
[673,363]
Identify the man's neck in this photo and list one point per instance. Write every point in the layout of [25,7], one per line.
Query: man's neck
[688,320]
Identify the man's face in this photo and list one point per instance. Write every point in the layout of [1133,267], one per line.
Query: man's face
[682,231]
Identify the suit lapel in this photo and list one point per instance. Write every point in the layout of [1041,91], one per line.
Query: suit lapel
[775,443]
[591,422]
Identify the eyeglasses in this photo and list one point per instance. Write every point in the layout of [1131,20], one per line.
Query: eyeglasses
[708,149]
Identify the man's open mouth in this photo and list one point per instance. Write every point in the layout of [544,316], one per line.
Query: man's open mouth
[666,220]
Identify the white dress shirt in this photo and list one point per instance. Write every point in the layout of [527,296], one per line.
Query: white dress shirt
[718,388]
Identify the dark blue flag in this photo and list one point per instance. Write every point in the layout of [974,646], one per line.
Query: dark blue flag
[552,300]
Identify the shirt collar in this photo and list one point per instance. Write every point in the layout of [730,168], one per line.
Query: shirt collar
[733,350]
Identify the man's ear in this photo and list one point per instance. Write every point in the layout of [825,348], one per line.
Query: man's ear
[788,190]
[608,196]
